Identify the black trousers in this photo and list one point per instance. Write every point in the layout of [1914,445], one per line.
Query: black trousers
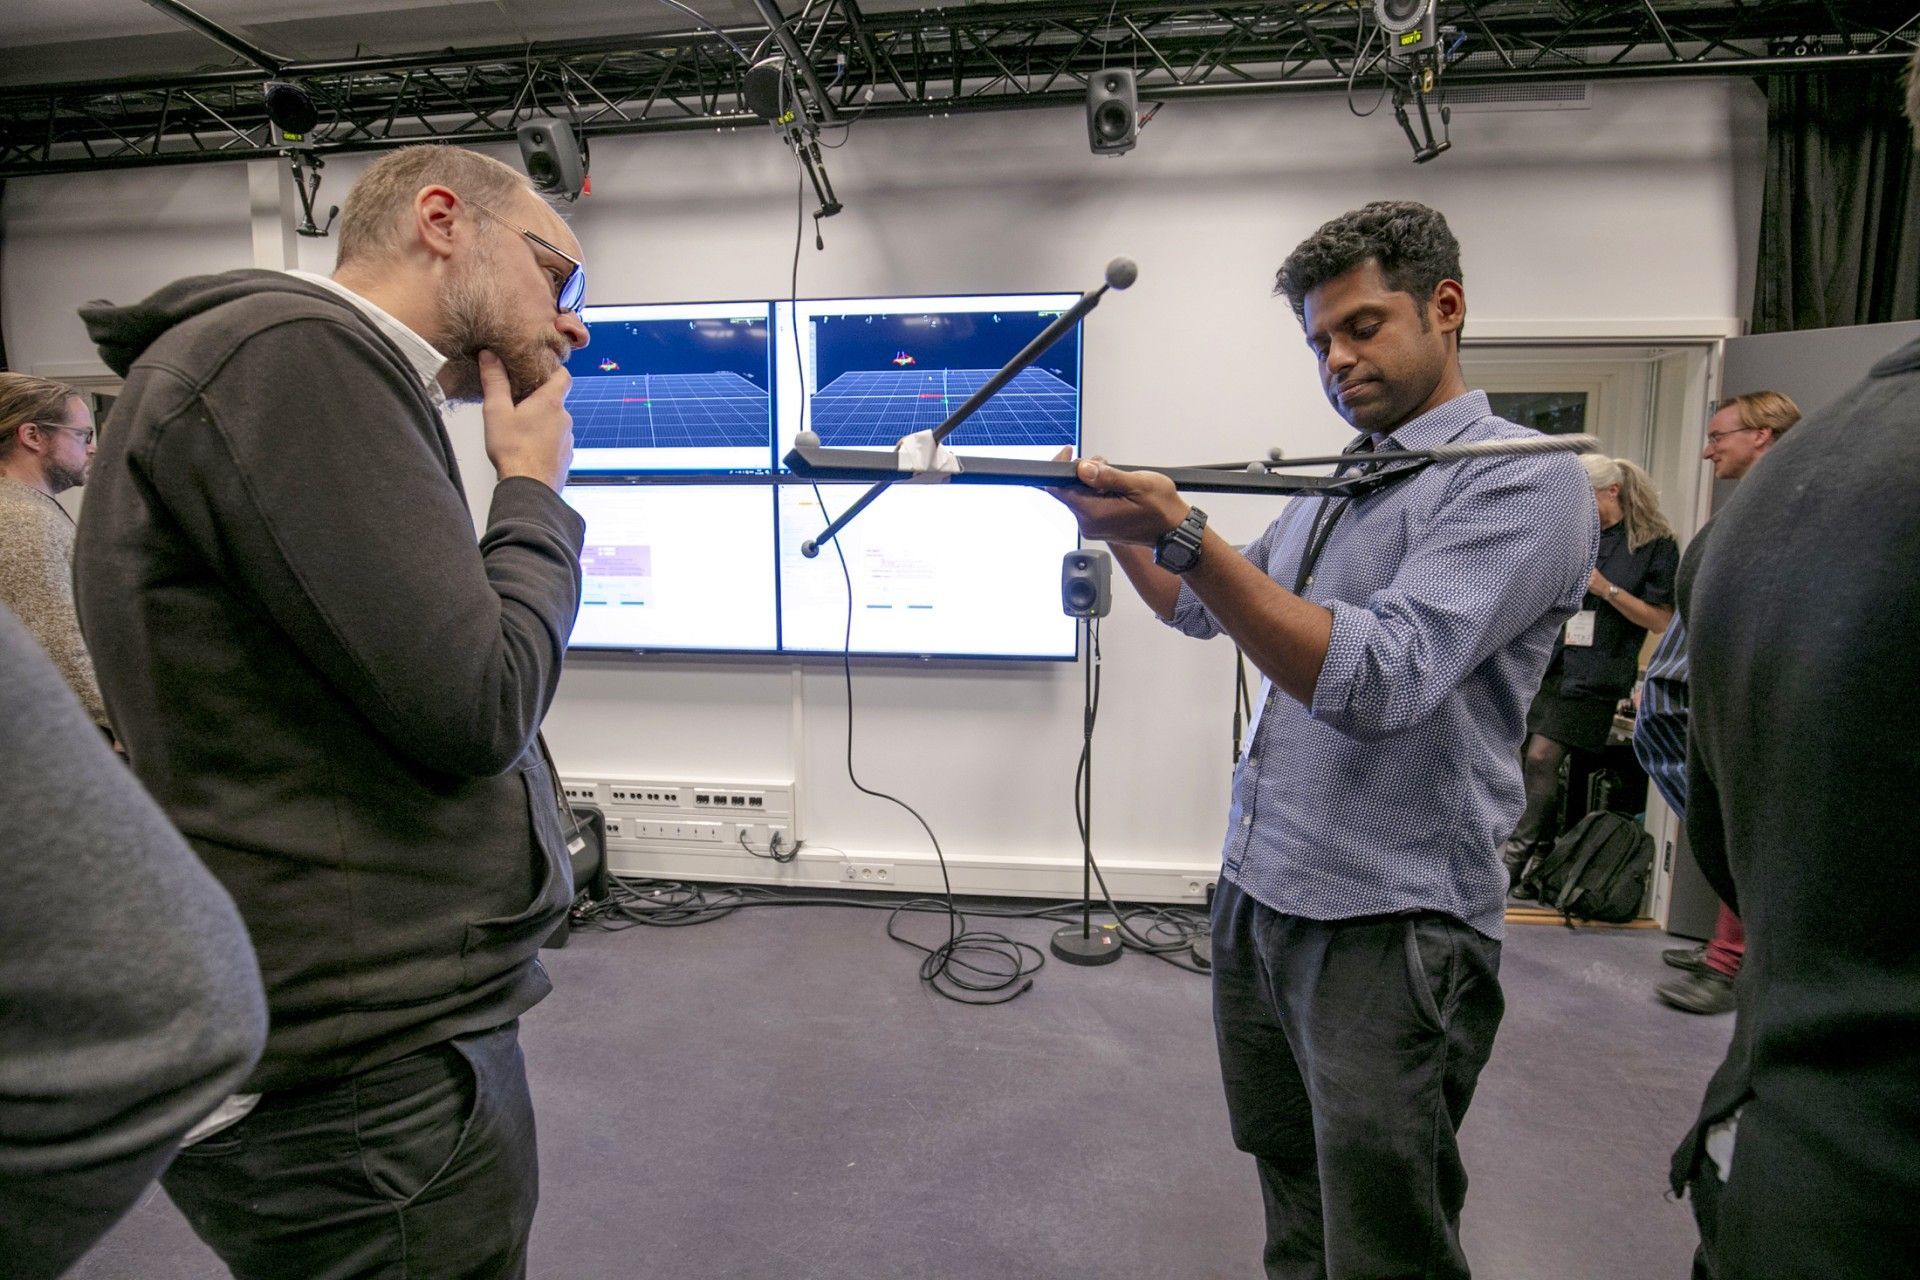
[421,1167]
[1704,1192]
[1350,1050]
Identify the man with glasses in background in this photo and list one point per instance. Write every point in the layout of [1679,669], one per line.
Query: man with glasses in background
[1738,436]
[335,695]
[46,447]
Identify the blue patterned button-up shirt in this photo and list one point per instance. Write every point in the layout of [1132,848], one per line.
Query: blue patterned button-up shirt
[1393,790]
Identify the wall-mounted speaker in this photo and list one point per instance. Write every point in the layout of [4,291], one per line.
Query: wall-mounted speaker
[552,158]
[1113,111]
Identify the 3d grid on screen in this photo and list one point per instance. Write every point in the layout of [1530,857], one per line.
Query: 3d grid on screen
[874,408]
[668,410]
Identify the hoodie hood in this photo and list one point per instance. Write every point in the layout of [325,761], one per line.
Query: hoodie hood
[124,333]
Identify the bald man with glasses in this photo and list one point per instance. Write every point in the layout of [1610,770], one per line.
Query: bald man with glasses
[336,695]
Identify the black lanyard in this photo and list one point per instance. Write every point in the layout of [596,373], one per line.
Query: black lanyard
[1331,509]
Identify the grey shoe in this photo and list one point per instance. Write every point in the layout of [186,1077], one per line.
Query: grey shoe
[1689,959]
[1706,991]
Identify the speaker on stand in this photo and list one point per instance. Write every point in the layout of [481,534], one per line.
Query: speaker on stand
[1086,593]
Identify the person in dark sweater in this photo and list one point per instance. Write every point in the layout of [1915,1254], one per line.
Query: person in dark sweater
[1804,759]
[130,1003]
[335,694]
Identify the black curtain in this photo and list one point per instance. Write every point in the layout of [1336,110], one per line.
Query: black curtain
[1840,224]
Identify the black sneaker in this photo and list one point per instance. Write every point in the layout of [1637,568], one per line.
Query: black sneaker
[1689,959]
[1707,991]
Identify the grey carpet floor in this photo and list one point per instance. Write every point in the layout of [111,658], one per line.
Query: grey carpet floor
[775,1095]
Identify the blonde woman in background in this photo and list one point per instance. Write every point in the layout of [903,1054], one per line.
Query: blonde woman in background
[1598,655]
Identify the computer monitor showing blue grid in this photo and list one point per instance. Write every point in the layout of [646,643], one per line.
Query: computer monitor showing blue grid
[938,571]
[673,387]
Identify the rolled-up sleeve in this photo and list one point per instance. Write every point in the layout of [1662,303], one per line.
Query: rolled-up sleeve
[1513,543]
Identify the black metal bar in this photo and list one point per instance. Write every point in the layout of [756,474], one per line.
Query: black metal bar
[1473,11]
[220,35]
[998,57]
[1653,16]
[816,463]
[797,56]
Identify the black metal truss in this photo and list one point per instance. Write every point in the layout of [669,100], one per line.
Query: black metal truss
[930,61]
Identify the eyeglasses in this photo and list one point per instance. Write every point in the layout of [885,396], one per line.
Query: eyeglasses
[1715,437]
[86,434]
[570,292]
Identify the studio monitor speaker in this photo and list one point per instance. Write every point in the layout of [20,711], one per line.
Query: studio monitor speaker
[1086,583]
[1113,111]
[552,158]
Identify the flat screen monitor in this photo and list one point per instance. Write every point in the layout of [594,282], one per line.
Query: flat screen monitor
[939,571]
[676,567]
[673,387]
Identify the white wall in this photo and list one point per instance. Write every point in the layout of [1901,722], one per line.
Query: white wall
[1622,215]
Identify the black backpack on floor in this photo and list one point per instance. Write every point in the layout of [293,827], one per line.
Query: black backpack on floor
[1597,871]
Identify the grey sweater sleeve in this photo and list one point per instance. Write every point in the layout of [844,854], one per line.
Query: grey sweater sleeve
[130,1001]
[36,582]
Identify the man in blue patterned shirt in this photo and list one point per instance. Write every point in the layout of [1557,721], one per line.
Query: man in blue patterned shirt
[1356,933]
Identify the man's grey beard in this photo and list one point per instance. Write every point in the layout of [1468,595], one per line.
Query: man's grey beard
[474,324]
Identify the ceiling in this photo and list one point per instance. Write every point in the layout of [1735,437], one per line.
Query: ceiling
[89,84]
[55,41]
[44,41]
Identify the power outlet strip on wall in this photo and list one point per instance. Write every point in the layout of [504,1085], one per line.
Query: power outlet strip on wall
[661,815]
[691,829]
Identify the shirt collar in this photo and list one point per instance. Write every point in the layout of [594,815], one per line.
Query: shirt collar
[421,354]
[1438,425]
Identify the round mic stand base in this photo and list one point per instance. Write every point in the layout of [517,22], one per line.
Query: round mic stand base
[1074,944]
[1202,949]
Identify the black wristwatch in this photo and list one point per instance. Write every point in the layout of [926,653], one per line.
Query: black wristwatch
[1178,549]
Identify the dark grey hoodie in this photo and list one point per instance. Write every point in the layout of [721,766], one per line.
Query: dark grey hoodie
[329,688]
[129,1002]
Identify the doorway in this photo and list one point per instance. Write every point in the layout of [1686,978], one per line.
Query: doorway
[1646,403]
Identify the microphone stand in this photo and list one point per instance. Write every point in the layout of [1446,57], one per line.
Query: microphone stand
[1081,943]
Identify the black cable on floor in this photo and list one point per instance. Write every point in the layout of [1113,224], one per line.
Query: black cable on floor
[635,901]
[971,966]
[1172,931]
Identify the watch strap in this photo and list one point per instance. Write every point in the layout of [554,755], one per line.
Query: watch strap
[1178,549]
